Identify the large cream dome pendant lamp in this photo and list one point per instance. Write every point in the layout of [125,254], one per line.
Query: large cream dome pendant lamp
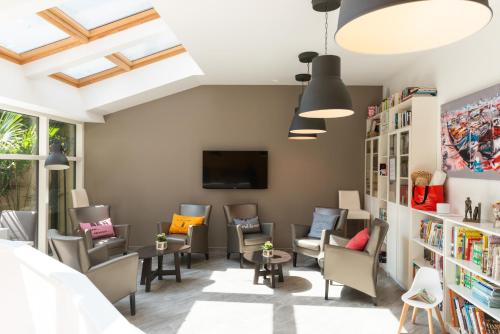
[403,26]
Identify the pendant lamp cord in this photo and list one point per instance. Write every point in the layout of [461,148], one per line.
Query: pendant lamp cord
[326,33]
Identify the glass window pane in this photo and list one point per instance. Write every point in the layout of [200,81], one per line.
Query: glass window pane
[29,33]
[148,48]
[64,133]
[19,198]
[95,13]
[89,68]
[61,182]
[18,133]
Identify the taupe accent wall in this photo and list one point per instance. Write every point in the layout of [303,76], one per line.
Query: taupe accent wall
[146,160]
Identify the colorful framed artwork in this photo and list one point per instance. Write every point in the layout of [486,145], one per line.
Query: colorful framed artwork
[470,135]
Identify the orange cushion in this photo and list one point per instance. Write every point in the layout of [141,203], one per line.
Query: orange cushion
[180,224]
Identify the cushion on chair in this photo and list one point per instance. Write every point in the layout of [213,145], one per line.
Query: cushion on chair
[112,242]
[358,214]
[255,239]
[359,241]
[180,224]
[371,246]
[179,238]
[100,229]
[322,222]
[309,243]
[249,225]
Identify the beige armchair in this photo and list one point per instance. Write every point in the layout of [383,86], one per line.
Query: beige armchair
[313,247]
[115,278]
[116,245]
[197,237]
[357,269]
[239,242]
[20,225]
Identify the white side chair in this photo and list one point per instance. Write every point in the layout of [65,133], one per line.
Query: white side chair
[428,279]
[349,199]
[80,198]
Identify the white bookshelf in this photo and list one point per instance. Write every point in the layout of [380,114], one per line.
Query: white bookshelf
[450,263]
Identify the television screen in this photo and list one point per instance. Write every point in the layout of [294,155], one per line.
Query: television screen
[235,169]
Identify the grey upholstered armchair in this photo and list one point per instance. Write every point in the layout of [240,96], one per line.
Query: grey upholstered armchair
[357,269]
[116,245]
[237,241]
[115,278]
[21,225]
[197,237]
[313,247]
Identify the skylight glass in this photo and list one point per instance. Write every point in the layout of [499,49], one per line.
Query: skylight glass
[89,68]
[29,33]
[96,13]
[148,48]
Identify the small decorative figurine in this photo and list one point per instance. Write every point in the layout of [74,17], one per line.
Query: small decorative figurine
[472,216]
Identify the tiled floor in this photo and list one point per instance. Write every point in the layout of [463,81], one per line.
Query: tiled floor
[216,296]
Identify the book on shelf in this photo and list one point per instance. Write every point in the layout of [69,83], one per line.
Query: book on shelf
[402,119]
[431,232]
[469,319]
[424,296]
[433,260]
[483,291]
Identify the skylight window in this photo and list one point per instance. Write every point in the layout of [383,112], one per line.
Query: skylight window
[92,14]
[148,48]
[29,33]
[90,68]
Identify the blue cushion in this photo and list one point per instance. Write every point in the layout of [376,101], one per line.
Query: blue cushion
[320,223]
[250,225]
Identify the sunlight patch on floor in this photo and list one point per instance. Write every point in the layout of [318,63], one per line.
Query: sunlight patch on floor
[344,320]
[228,317]
[236,281]
[317,288]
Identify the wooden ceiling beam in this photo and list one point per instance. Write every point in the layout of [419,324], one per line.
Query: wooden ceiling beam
[100,76]
[174,51]
[59,19]
[9,55]
[66,79]
[120,61]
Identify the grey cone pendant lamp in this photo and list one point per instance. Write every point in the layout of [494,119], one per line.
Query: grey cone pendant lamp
[56,159]
[402,26]
[296,136]
[326,96]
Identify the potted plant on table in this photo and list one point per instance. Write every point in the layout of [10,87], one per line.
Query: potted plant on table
[267,249]
[161,241]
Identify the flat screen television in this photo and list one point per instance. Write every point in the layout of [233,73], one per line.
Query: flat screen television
[235,169]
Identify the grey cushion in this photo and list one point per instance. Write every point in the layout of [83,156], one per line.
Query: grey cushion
[112,242]
[249,225]
[256,239]
[322,222]
[178,238]
[309,243]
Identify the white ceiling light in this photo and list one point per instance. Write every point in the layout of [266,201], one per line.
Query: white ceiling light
[403,26]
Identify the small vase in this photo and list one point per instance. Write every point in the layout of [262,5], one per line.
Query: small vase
[161,245]
[267,253]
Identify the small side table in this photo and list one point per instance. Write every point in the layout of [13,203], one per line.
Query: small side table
[272,266]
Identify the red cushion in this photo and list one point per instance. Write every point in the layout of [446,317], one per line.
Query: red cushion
[101,229]
[359,241]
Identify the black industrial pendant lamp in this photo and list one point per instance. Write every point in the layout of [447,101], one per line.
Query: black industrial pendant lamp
[326,96]
[297,136]
[56,159]
[402,26]
[302,125]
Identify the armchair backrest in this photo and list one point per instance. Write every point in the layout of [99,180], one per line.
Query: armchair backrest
[89,214]
[22,225]
[241,211]
[342,213]
[197,210]
[377,236]
[349,199]
[69,250]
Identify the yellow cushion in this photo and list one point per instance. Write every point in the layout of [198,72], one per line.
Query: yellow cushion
[180,224]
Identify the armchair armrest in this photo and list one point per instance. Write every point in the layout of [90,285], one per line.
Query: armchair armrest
[325,239]
[268,229]
[163,227]
[300,231]
[345,265]
[198,238]
[123,231]
[241,238]
[98,254]
[87,237]
[117,277]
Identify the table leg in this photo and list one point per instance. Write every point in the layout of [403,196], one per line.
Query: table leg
[160,267]
[148,274]
[143,272]
[265,271]
[177,267]
[280,273]
[256,274]
[273,276]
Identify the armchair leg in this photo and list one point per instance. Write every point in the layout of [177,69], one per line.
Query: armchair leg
[189,260]
[295,259]
[374,301]
[327,285]
[228,255]
[132,303]
[206,256]
[241,260]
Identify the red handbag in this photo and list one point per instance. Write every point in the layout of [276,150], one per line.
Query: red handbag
[427,197]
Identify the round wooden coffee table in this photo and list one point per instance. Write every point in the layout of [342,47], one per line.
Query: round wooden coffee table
[148,252]
[272,266]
